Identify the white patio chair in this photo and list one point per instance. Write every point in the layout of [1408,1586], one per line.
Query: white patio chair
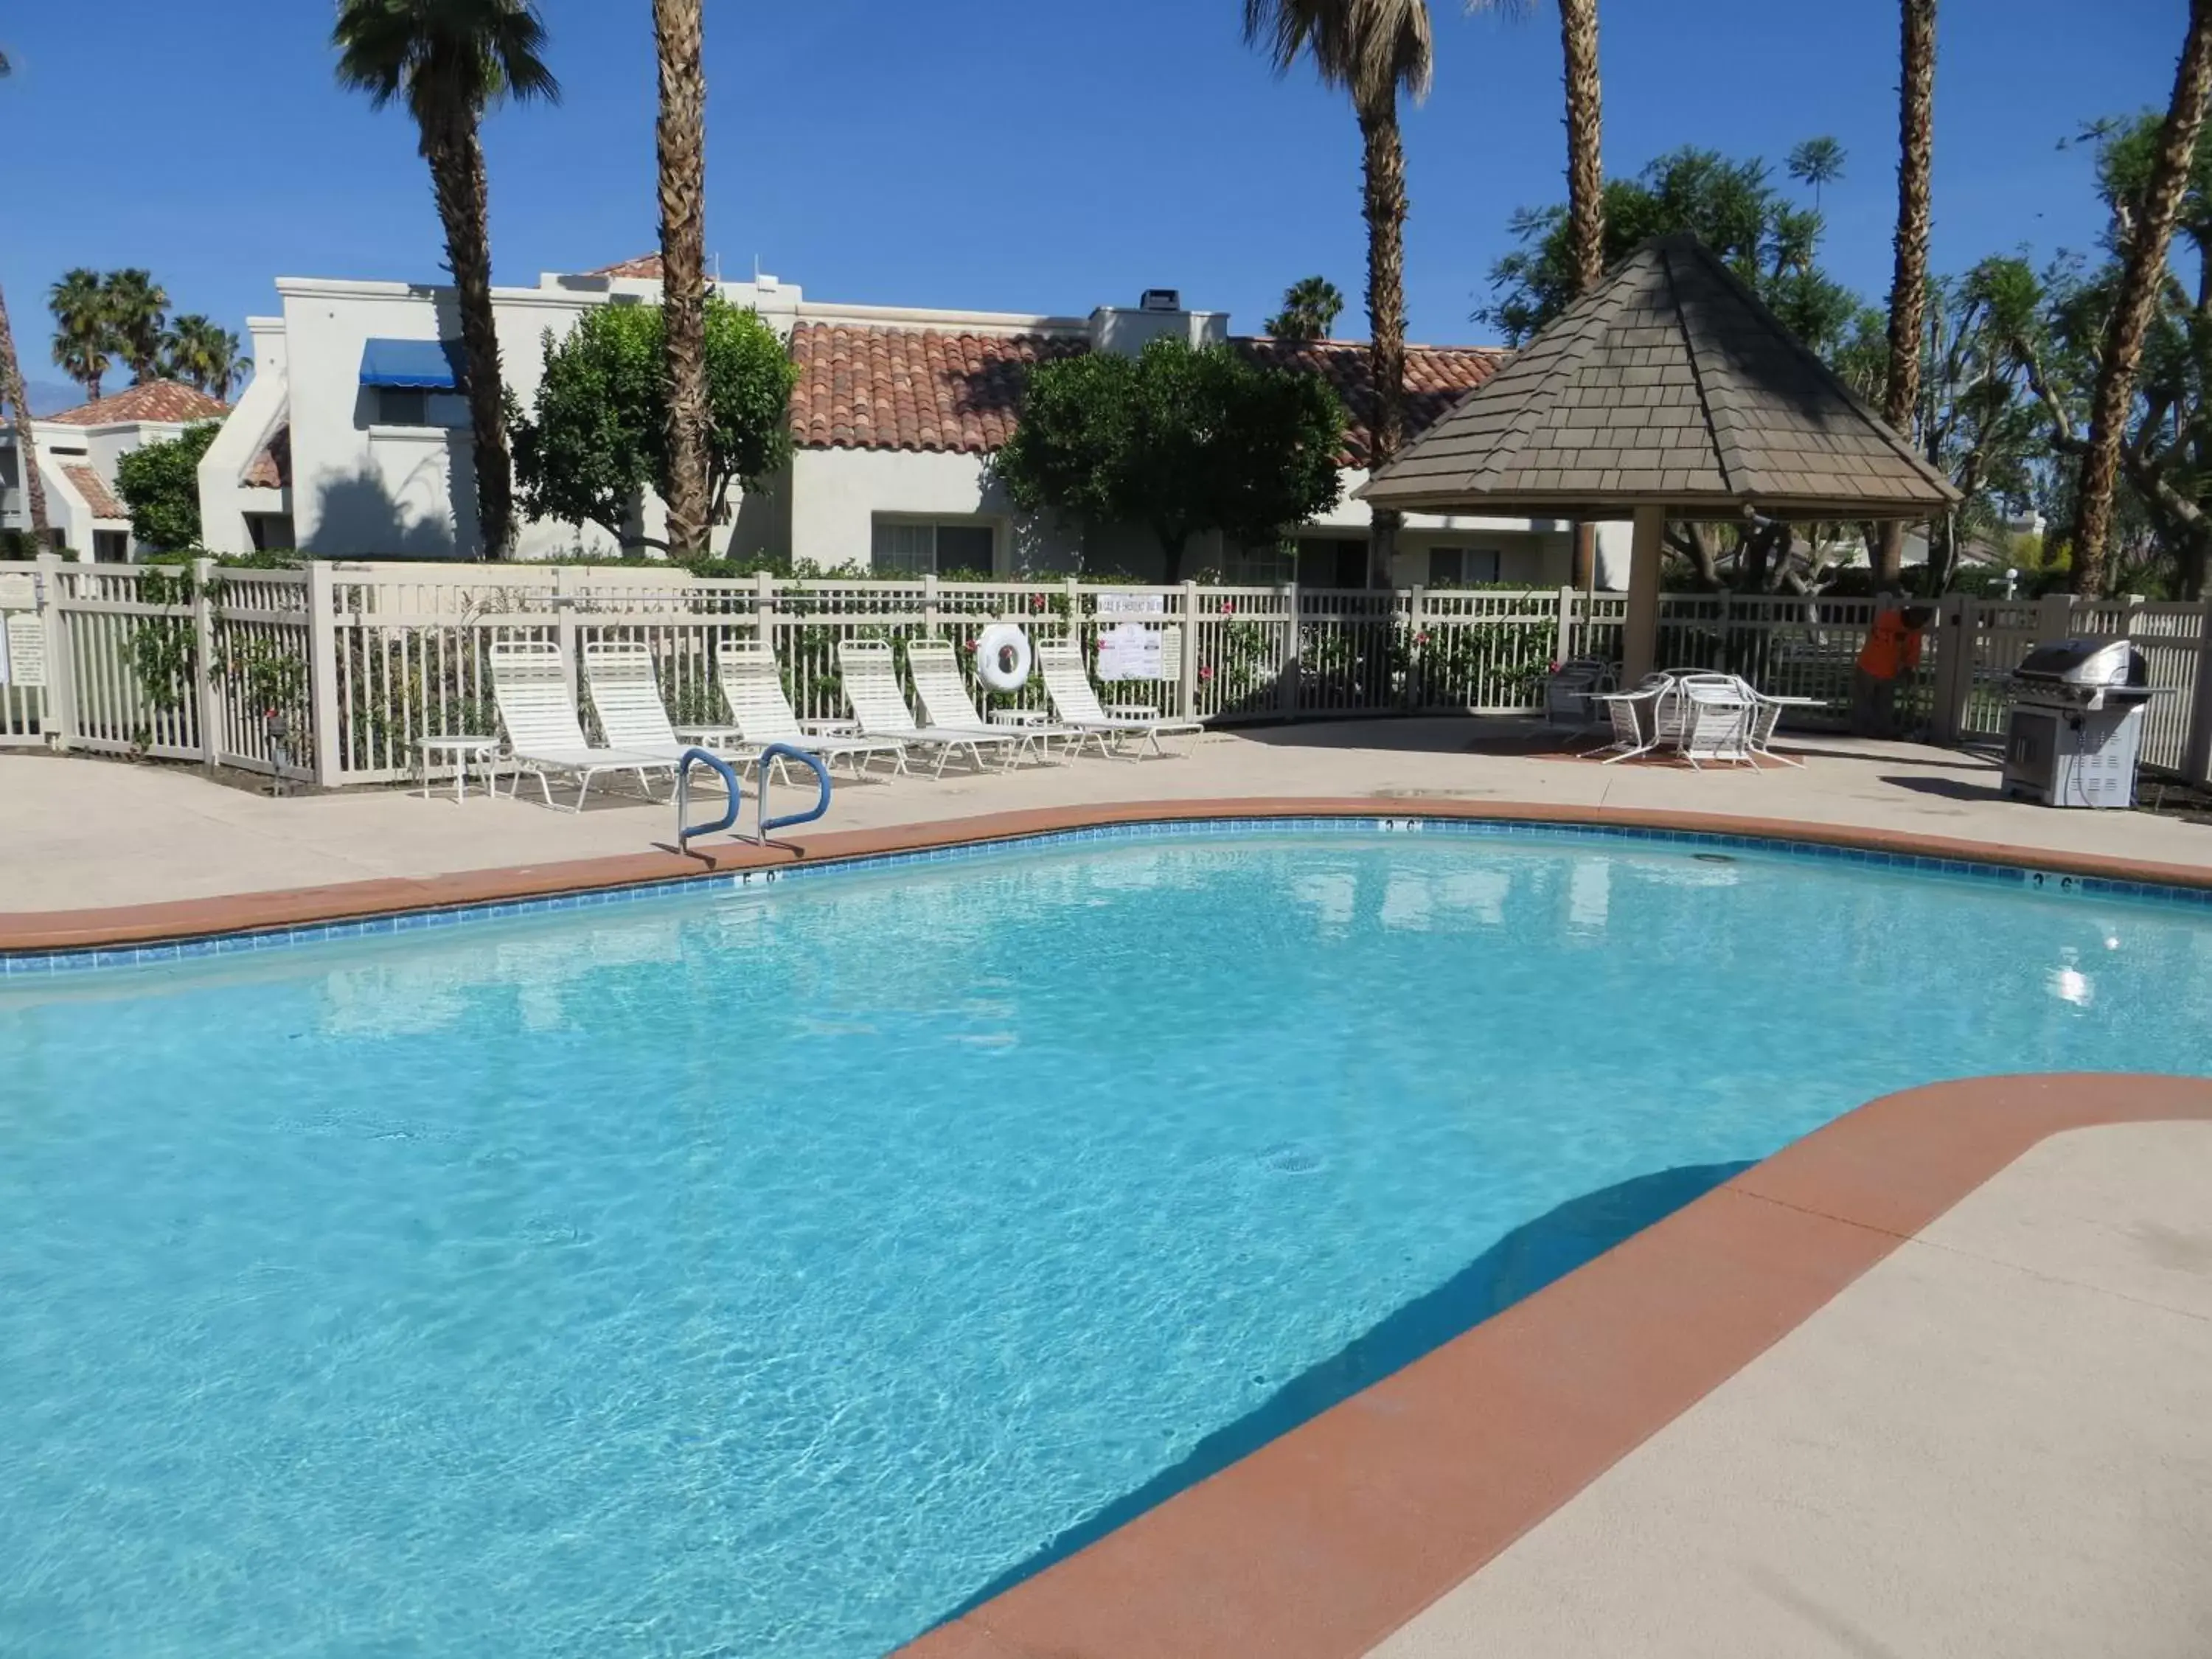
[1766,716]
[530,686]
[1635,717]
[753,687]
[934,667]
[1714,720]
[1067,683]
[871,687]
[1569,689]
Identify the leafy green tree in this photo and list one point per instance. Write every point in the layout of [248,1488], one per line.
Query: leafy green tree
[137,310]
[2059,325]
[597,435]
[1310,307]
[202,353]
[1731,206]
[450,61]
[84,330]
[1182,439]
[160,484]
[1815,162]
[2168,157]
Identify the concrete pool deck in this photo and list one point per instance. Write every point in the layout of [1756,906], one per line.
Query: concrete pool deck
[1935,1379]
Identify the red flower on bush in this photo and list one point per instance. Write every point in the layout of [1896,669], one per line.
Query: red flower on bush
[1421,638]
[1205,673]
[1228,608]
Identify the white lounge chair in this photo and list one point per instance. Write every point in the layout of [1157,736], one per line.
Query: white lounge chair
[1067,683]
[934,667]
[871,687]
[626,696]
[753,687]
[530,684]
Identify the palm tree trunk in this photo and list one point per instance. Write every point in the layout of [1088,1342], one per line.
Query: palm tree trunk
[27,448]
[1384,171]
[2137,298]
[1585,174]
[1908,288]
[1585,195]
[682,133]
[455,153]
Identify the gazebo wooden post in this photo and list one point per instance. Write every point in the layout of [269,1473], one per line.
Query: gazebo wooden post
[1640,638]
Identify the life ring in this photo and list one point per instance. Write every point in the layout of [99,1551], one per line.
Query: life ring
[1002,657]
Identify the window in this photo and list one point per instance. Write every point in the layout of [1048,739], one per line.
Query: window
[900,548]
[1338,562]
[403,405]
[1457,567]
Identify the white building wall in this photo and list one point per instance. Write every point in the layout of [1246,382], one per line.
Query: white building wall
[835,496]
[252,421]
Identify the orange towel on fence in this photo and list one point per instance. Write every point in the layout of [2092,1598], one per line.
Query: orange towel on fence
[1892,649]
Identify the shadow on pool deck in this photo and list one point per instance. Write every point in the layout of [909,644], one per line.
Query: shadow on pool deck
[1523,1262]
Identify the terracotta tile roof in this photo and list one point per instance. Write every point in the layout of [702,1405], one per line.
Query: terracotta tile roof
[149,400]
[97,495]
[931,389]
[1436,377]
[912,388]
[646,265]
[272,468]
[1669,383]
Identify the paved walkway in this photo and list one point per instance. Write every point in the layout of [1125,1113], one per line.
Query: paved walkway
[83,833]
[1999,1441]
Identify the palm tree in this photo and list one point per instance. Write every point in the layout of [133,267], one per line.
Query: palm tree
[1908,287]
[1310,306]
[11,389]
[1817,161]
[1585,181]
[681,139]
[1371,50]
[450,60]
[201,352]
[2141,270]
[137,308]
[84,334]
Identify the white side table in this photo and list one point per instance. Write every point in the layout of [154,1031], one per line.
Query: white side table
[484,751]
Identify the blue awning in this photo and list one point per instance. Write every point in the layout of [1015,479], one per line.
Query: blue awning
[425,365]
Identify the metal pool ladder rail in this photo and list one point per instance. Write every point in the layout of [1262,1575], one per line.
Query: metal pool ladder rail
[762,823]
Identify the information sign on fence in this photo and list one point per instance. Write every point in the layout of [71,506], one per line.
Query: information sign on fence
[23,657]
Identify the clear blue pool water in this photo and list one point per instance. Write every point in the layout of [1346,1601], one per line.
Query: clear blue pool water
[773,1274]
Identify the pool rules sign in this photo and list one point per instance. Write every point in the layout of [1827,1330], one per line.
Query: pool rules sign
[23,650]
[1134,650]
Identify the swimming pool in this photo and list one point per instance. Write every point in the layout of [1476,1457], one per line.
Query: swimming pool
[775,1272]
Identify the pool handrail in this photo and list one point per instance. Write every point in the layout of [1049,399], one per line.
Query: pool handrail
[762,824]
[813,762]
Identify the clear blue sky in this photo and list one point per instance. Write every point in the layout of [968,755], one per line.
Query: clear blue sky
[1026,154]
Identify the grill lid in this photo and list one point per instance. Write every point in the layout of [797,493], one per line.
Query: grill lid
[2085,662]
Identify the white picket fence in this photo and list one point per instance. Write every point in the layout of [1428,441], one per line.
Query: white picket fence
[333,673]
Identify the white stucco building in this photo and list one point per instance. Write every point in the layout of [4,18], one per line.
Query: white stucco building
[77,451]
[351,442]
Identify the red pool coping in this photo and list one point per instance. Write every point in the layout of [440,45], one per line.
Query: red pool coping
[1322,1543]
[143,924]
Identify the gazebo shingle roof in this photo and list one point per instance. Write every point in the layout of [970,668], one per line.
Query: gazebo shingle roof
[1671,383]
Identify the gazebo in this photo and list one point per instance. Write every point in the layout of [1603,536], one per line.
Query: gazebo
[1668,390]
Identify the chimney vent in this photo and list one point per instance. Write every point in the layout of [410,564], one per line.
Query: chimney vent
[1161,299]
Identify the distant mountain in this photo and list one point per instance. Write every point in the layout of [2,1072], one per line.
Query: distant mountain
[50,397]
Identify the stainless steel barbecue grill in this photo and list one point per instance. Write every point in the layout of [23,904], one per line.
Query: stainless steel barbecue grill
[2076,725]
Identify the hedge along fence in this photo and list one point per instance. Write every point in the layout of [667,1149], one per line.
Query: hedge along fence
[362,661]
